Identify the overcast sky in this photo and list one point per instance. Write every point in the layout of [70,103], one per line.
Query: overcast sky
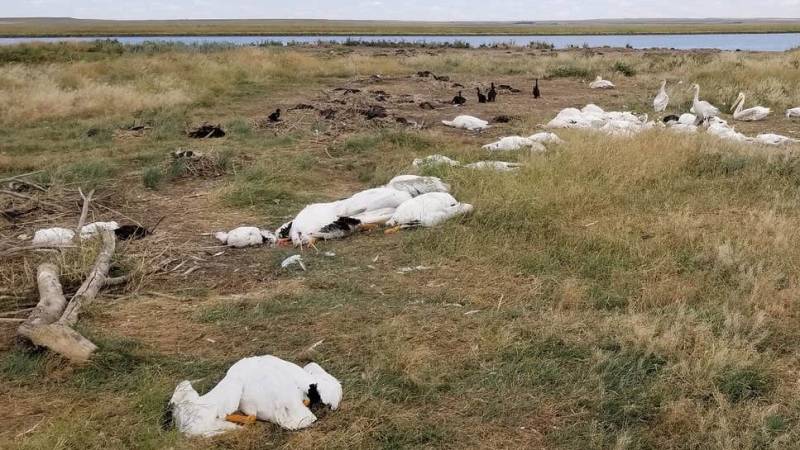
[399,9]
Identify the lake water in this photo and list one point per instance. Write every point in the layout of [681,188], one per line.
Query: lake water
[754,42]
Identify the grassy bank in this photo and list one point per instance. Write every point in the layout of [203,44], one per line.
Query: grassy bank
[613,293]
[84,27]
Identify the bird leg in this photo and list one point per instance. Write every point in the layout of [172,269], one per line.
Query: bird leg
[285,242]
[368,227]
[393,230]
[241,419]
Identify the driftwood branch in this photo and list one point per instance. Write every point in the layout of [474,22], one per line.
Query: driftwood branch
[50,323]
[94,282]
[87,200]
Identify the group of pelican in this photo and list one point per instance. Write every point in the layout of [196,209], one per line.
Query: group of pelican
[705,110]
[407,201]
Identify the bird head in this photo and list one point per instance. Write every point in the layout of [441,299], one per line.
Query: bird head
[328,389]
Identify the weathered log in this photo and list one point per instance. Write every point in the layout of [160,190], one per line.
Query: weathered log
[63,340]
[50,323]
[94,282]
[51,299]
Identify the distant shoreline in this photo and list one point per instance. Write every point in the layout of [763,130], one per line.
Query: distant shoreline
[370,34]
[67,27]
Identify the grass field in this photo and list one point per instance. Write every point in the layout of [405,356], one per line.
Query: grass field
[613,293]
[88,27]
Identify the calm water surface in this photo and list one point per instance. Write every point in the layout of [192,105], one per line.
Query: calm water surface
[754,42]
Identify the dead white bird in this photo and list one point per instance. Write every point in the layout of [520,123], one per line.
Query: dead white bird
[427,210]
[62,236]
[435,160]
[512,143]
[499,166]
[793,113]
[418,185]
[90,230]
[246,237]
[266,387]
[546,137]
[53,237]
[775,139]
[292,260]
[469,123]
[600,83]
[753,114]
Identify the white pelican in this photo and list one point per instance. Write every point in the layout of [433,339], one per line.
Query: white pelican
[417,185]
[546,137]
[62,236]
[245,237]
[793,113]
[428,210]
[748,115]
[435,160]
[702,108]
[687,119]
[511,143]
[335,220]
[53,236]
[371,200]
[500,166]
[726,132]
[662,99]
[467,123]
[600,83]
[265,387]
[775,139]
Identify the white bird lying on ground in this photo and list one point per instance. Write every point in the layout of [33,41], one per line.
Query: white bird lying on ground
[593,117]
[726,132]
[266,387]
[687,119]
[90,230]
[662,99]
[774,139]
[511,143]
[500,166]
[600,83]
[245,237]
[546,137]
[467,123]
[435,160]
[428,210]
[62,236]
[753,114]
[793,113]
[53,236]
[417,185]
[702,108]
[371,200]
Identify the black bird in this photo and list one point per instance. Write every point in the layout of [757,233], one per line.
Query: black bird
[671,119]
[536,92]
[481,97]
[492,94]
[459,99]
[276,116]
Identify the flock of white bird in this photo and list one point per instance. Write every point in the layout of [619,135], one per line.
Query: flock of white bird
[701,114]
